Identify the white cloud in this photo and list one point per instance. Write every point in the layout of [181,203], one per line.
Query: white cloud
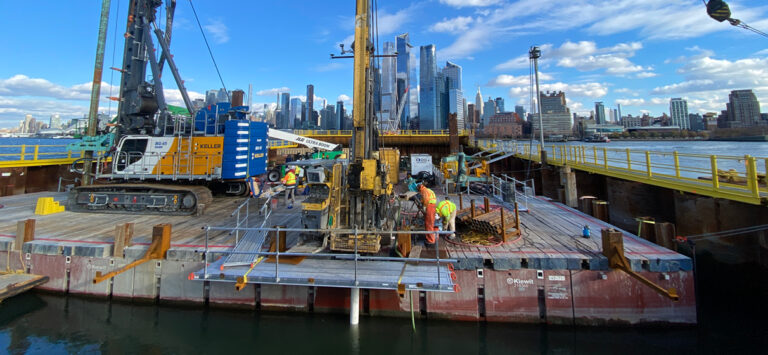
[469,3]
[22,85]
[456,24]
[654,19]
[511,80]
[590,90]
[585,56]
[344,98]
[630,102]
[272,92]
[645,75]
[218,30]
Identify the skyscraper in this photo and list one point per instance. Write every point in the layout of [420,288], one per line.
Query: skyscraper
[403,79]
[479,103]
[555,115]
[520,111]
[489,109]
[452,73]
[500,105]
[340,115]
[743,109]
[678,109]
[618,106]
[599,112]
[285,112]
[428,93]
[387,119]
[310,102]
[55,121]
[296,111]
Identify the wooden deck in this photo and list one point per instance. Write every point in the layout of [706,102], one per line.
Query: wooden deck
[551,237]
[12,284]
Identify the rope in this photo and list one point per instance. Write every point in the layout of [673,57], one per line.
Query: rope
[413,319]
[209,49]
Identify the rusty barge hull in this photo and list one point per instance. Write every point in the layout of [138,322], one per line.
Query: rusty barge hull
[533,281]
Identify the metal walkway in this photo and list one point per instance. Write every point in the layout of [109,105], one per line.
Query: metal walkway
[370,274]
[693,173]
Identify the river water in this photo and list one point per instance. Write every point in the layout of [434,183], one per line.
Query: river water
[732,318]
[44,324]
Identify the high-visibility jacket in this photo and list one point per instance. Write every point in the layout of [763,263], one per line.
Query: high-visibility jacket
[445,208]
[428,197]
[289,179]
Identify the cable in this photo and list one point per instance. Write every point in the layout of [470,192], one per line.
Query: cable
[730,232]
[112,72]
[209,49]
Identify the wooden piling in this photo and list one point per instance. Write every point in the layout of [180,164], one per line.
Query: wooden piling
[25,232]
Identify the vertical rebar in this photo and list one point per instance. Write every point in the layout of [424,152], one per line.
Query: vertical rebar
[93,113]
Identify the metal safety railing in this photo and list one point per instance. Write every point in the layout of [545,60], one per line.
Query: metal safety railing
[443,132]
[739,178]
[161,166]
[527,189]
[36,155]
[242,218]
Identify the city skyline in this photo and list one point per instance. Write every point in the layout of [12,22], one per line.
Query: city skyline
[633,64]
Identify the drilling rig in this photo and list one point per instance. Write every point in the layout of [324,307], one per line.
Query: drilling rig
[368,202]
[165,163]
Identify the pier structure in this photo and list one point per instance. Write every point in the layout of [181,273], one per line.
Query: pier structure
[551,274]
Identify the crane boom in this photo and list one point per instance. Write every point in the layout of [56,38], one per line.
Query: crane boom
[309,142]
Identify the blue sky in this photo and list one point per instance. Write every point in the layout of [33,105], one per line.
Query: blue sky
[635,53]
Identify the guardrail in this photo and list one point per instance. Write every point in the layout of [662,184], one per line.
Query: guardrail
[12,156]
[316,133]
[737,178]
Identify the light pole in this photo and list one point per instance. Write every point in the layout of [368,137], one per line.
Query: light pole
[534,54]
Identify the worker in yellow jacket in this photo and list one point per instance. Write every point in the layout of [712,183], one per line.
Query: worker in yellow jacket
[289,181]
[447,210]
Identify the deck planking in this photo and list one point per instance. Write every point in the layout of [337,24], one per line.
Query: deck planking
[551,233]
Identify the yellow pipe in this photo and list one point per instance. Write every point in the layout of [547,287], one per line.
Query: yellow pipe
[677,164]
[605,158]
[37,150]
[23,150]
[648,168]
[715,178]
[754,186]
[629,160]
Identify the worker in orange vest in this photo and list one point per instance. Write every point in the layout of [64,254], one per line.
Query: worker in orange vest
[428,199]
[447,210]
[289,181]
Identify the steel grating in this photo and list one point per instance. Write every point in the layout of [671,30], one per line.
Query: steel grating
[370,274]
[249,242]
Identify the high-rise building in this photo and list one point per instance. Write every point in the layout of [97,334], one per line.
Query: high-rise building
[479,103]
[471,121]
[615,117]
[210,97]
[489,109]
[387,119]
[555,115]
[55,121]
[743,109]
[310,102]
[452,73]
[428,92]
[403,78]
[500,105]
[678,109]
[295,112]
[341,114]
[599,112]
[520,111]
[285,112]
[222,96]
[619,109]
[443,99]
[328,117]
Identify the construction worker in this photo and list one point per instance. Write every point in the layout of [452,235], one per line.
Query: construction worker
[428,200]
[447,210]
[289,181]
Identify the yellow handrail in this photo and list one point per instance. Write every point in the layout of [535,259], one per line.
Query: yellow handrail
[732,177]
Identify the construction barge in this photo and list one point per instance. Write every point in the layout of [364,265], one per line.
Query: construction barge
[550,273]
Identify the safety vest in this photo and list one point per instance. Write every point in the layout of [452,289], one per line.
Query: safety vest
[445,208]
[429,195]
[289,179]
